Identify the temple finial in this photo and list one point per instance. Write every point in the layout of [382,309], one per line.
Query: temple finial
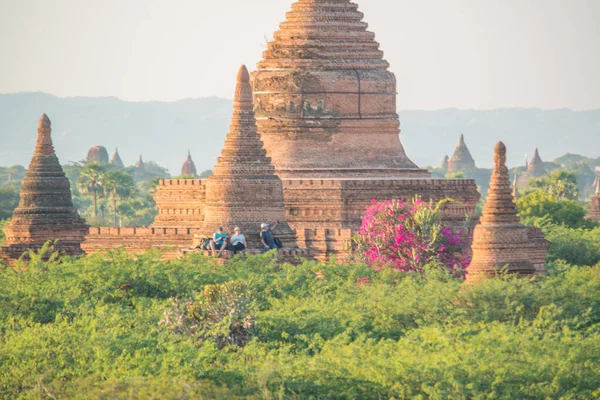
[44,122]
[500,154]
[243,76]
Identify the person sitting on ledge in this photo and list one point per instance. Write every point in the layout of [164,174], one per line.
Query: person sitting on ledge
[238,241]
[219,242]
[266,236]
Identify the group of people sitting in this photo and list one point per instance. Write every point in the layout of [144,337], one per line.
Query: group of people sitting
[237,242]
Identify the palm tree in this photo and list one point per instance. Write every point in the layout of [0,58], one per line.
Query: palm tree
[90,181]
[119,185]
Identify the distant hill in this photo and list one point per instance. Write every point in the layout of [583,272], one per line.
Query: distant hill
[163,132]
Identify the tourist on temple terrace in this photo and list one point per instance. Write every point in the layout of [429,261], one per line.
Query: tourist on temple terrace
[219,241]
[238,240]
[266,236]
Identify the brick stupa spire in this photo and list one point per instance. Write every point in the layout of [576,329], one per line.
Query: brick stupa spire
[594,213]
[45,211]
[116,161]
[461,160]
[325,99]
[189,168]
[535,169]
[500,240]
[244,190]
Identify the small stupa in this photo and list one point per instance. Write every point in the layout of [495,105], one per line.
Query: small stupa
[461,160]
[500,240]
[244,190]
[189,168]
[116,161]
[444,164]
[45,212]
[98,154]
[535,169]
[140,164]
[594,213]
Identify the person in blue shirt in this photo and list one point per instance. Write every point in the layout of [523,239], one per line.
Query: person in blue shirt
[266,236]
[219,241]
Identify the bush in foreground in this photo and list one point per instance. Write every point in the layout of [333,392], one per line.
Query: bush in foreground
[91,328]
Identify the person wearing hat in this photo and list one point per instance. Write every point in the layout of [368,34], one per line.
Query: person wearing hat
[266,236]
[219,241]
[238,240]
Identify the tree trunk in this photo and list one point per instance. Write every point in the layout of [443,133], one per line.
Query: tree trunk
[115,209]
[95,205]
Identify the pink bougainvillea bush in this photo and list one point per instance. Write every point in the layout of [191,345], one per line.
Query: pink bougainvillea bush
[408,236]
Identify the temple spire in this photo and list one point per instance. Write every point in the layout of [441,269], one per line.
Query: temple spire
[461,160]
[45,211]
[244,190]
[500,240]
[189,168]
[116,159]
[243,152]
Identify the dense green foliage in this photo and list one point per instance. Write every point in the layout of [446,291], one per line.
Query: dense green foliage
[9,198]
[3,223]
[541,205]
[113,327]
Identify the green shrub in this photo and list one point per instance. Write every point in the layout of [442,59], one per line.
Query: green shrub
[91,328]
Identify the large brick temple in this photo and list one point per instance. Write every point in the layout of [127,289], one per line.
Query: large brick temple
[325,105]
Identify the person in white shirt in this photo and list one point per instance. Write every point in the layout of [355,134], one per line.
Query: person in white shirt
[238,240]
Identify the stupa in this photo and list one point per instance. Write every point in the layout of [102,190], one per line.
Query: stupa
[500,240]
[444,164]
[244,190]
[98,154]
[45,212]
[594,213]
[461,160]
[325,101]
[116,161]
[139,165]
[189,168]
[535,169]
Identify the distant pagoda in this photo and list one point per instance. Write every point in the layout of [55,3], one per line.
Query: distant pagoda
[244,190]
[98,154]
[444,164]
[45,212]
[461,160]
[189,168]
[500,240]
[594,213]
[535,169]
[116,161]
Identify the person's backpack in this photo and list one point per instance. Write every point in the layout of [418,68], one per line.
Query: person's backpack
[278,243]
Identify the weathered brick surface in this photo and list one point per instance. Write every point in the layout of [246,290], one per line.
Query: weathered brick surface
[500,240]
[325,100]
[244,190]
[170,241]
[180,203]
[45,211]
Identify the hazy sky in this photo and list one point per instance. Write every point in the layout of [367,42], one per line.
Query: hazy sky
[445,53]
